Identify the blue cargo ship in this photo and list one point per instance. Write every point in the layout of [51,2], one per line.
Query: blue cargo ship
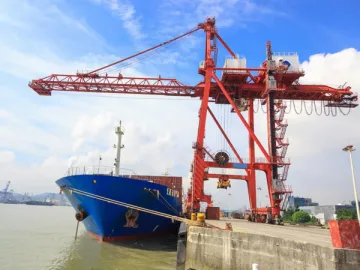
[108,221]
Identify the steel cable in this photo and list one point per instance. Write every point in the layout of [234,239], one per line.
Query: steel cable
[138,208]
[227,132]
[288,106]
[311,105]
[333,111]
[263,109]
[327,113]
[321,108]
[224,126]
[129,63]
[343,112]
[258,105]
[134,60]
[301,108]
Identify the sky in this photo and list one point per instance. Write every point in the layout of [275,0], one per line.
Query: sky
[40,137]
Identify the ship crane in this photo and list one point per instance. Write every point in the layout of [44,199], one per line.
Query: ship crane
[274,83]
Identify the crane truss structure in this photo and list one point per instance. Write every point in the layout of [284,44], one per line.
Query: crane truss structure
[238,87]
[6,194]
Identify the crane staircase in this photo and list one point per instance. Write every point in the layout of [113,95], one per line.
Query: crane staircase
[282,145]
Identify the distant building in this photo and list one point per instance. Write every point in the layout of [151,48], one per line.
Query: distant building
[324,213]
[296,202]
[226,213]
[353,203]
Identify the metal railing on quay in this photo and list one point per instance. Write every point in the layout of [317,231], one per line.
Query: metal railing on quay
[273,160]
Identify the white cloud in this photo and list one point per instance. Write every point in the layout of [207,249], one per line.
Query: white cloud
[4,114]
[145,151]
[127,13]
[6,19]
[7,156]
[90,128]
[228,13]
[334,68]
[34,178]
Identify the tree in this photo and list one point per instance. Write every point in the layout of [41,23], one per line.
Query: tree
[301,217]
[313,220]
[345,214]
[288,215]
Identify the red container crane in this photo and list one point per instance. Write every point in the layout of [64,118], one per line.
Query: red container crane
[272,83]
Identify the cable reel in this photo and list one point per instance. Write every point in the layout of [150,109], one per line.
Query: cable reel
[242,104]
[222,158]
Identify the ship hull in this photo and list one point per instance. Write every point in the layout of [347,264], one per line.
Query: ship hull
[39,203]
[110,222]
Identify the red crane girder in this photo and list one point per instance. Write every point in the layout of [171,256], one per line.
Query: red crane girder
[111,84]
[172,87]
[292,92]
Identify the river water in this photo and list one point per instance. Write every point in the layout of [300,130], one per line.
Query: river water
[42,237]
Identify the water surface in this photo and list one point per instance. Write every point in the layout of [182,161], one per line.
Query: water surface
[42,237]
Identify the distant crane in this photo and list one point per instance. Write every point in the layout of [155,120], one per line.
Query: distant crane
[5,194]
[272,84]
[26,197]
[7,186]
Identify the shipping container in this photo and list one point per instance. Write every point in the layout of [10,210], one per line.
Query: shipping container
[172,182]
[213,213]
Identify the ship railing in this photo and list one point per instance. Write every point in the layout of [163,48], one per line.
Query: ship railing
[285,53]
[98,170]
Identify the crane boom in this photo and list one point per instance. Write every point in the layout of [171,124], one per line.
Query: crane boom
[95,83]
[111,84]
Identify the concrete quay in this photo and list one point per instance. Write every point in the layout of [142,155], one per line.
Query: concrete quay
[269,246]
[300,234]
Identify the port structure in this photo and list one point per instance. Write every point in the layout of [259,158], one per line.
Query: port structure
[7,194]
[239,86]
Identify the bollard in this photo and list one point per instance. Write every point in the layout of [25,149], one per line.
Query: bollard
[181,246]
[201,217]
[255,266]
[228,226]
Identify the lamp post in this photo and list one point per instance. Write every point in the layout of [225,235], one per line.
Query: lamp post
[351,149]
[257,195]
[230,205]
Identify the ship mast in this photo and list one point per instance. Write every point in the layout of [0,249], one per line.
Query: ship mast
[118,147]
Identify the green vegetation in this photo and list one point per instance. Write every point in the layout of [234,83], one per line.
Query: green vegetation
[313,220]
[301,217]
[346,214]
[298,216]
[288,215]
